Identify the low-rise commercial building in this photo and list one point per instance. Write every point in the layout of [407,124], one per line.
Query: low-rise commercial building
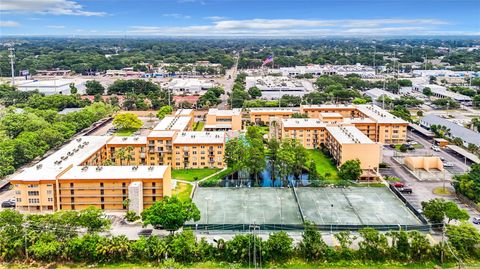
[443,92]
[189,85]
[468,136]
[274,87]
[56,86]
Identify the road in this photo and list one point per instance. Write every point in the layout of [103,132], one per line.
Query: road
[230,77]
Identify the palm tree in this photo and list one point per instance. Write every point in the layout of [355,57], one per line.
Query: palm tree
[121,154]
[129,154]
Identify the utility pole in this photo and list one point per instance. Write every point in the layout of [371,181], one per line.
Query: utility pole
[12,63]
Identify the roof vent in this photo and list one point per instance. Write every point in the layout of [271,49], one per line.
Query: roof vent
[39,166]
[135,168]
[150,168]
[99,168]
[85,168]
[124,139]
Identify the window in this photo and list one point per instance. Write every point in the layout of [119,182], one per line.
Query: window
[31,186]
[33,193]
[18,192]
[49,185]
[34,200]
[49,192]
[50,199]
[19,200]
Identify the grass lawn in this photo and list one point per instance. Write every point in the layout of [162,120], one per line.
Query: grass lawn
[324,164]
[198,126]
[416,146]
[183,190]
[125,132]
[190,174]
[442,191]
[291,265]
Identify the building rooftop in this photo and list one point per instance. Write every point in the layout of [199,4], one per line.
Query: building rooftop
[127,140]
[74,153]
[225,112]
[440,90]
[376,93]
[378,114]
[115,172]
[173,123]
[326,106]
[469,136]
[200,138]
[348,135]
[48,83]
[303,123]
[331,115]
[183,112]
[273,109]
[160,134]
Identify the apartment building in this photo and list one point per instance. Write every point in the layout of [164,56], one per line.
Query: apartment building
[74,178]
[199,150]
[160,147]
[349,143]
[267,114]
[375,122]
[309,132]
[126,150]
[175,123]
[223,120]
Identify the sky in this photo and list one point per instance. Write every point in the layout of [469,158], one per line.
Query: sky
[239,18]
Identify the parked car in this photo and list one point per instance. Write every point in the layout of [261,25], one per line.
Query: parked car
[435,148]
[447,164]
[399,184]
[476,220]
[406,190]
[9,204]
[412,143]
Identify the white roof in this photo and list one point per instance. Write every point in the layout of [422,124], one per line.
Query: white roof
[224,112]
[128,140]
[272,109]
[357,120]
[174,123]
[183,112]
[218,126]
[74,153]
[375,93]
[161,133]
[303,123]
[348,135]
[378,114]
[326,106]
[115,172]
[48,83]
[331,115]
[200,138]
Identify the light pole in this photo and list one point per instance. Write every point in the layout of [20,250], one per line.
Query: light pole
[208,198]
[331,218]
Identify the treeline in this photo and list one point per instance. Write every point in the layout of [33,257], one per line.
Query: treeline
[84,56]
[55,238]
[30,128]
[468,184]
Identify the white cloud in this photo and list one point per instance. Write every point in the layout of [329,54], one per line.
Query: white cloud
[176,16]
[298,27]
[9,24]
[215,18]
[56,26]
[55,7]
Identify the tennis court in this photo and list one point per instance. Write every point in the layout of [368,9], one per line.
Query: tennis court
[351,206]
[354,206]
[246,206]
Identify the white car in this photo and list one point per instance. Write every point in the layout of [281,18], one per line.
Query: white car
[447,164]
[435,148]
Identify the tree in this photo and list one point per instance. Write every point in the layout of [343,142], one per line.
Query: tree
[280,247]
[312,246]
[350,170]
[236,154]
[73,89]
[170,213]
[427,91]
[437,209]
[127,121]
[374,246]
[94,87]
[164,111]
[464,238]
[254,92]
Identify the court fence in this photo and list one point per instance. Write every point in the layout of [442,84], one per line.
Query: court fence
[301,227]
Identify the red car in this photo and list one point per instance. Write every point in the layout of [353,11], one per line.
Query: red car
[399,184]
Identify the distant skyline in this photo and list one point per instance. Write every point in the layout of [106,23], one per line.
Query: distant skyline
[240,18]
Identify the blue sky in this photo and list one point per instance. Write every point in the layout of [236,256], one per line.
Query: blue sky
[240,17]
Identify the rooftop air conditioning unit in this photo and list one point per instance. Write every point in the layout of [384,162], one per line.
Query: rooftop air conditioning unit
[39,166]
